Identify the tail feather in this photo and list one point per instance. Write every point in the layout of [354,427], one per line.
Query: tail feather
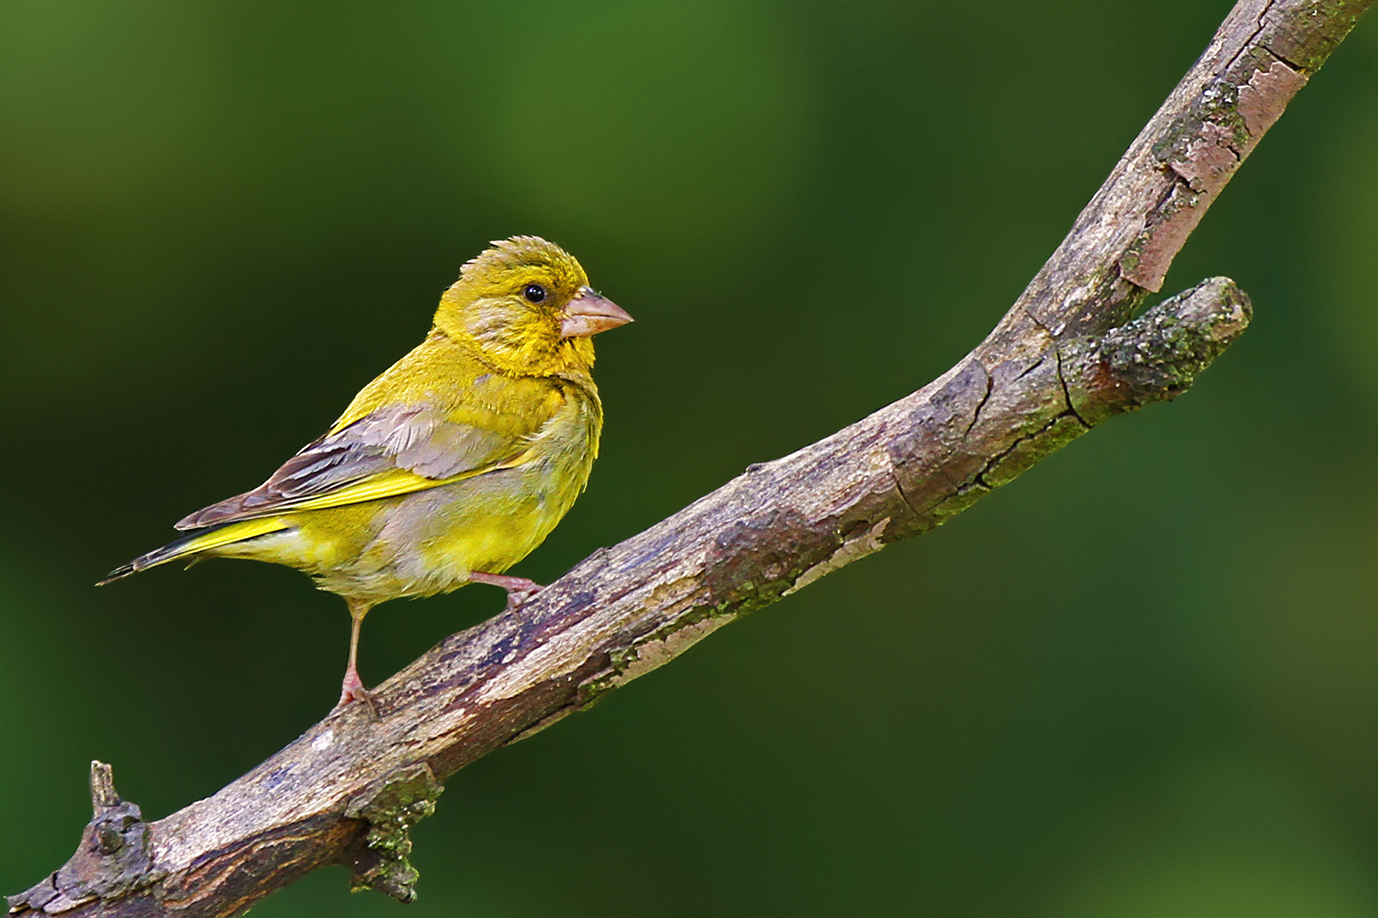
[168,552]
[196,543]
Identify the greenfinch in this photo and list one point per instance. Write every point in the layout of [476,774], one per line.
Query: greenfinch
[448,468]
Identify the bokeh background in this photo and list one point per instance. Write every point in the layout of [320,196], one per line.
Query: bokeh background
[1140,681]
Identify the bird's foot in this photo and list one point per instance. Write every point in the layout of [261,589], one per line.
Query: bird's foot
[353,690]
[518,598]
[519,589]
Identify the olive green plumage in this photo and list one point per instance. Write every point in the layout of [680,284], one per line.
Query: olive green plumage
[453,464]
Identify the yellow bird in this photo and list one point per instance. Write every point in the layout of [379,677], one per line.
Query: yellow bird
[448,468]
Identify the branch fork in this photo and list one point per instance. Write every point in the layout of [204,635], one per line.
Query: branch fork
[113,860]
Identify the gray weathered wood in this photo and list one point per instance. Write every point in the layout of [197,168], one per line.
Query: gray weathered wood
[1064,358]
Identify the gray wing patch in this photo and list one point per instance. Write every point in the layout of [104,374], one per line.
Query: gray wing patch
[412,437]
[453,449]
[420,440]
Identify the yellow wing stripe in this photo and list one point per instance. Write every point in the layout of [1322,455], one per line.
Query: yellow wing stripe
[235,532]
[390,484]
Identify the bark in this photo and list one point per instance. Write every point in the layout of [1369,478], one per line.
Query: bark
[1066,357]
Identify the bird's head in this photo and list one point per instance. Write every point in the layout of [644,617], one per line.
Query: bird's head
[527,305]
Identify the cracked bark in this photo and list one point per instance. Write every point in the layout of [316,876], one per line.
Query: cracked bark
[1066,357]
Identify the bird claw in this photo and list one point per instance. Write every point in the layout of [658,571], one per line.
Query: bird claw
[520,597]
[353,690]
[519,589]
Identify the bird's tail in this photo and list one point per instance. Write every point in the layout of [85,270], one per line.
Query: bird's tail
[198,543]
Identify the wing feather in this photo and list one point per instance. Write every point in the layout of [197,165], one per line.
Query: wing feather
[395,449]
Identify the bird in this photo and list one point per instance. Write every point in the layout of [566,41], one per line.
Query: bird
[449,467]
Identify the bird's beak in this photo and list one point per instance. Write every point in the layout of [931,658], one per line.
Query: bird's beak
[590,313]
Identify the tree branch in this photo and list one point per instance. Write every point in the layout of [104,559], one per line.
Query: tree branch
[1065,357]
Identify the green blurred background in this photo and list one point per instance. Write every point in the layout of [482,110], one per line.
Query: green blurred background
[1138,682]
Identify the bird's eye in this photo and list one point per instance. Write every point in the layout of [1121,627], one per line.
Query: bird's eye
[534,293]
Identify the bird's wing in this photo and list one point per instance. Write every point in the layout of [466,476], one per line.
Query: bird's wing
[395,449]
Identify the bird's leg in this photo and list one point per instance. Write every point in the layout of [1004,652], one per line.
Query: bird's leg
[519,589]
[353,687]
